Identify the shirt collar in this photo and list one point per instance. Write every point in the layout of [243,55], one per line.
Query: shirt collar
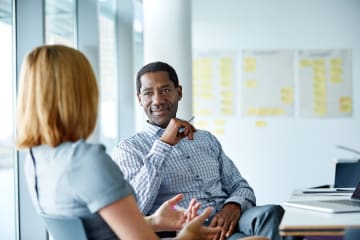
[153,129]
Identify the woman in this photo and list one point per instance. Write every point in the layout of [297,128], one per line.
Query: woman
[56,113]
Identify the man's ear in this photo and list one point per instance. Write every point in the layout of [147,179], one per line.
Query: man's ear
[139,99]
[179,90]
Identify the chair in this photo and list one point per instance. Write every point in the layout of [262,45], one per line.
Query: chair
[64,228]
[352,234]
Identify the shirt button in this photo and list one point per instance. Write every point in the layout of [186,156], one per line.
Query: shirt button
[187,157]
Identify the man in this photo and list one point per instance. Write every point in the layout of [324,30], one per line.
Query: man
[170,156]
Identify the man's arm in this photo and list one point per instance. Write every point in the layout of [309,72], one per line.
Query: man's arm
[144,172]
[240,195]
[238,189]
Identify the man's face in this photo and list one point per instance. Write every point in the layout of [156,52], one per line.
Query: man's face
[159,97]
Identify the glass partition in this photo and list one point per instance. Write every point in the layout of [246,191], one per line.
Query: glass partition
[108,74]
[7,154]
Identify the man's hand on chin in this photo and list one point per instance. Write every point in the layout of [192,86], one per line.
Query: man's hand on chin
[176,130]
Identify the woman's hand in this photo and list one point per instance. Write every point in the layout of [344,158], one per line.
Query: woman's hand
[192,210]
[194,230]
[170,218]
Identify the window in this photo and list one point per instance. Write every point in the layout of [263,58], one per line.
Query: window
[108,74]
[138,47]
[60,22]
[7,199]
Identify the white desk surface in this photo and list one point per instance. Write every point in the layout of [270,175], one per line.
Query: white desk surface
[301,222]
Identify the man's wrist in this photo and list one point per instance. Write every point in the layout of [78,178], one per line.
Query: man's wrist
[233,204]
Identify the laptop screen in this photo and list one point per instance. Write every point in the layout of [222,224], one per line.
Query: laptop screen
[347,174]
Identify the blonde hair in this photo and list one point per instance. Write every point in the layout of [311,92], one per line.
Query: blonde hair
[57,98]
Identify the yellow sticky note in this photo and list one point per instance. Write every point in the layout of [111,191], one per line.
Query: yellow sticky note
[226,76]
[202,69]
[226,71]
[264,111]
[227,94]
[206,75]
[319,70]
[204,63]
[226,61]
[249,64]
[250,61]
[226,102]
[249,68]
[336,79]
[320,77]
[336,70]
[319,102]
[320,106]
[203,112]
[345,104]
[201,124]
[226,83]
[335,61]
[227,110]
[306,63]
[206,86]
[287,99]
[220,122]
[251,83]
[320,111]
[260,124]
[252,111]
[277,111]
[346,109]
[219,131]
[319,62]
[319,90]
[287,95]
[206,96]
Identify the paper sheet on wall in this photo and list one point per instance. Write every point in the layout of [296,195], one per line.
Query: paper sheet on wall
[214,78]
[214,89]
[325,83]
[267,85]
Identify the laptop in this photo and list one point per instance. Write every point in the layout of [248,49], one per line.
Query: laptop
[331,205]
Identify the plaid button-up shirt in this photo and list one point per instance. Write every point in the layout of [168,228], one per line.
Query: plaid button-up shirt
[196,168]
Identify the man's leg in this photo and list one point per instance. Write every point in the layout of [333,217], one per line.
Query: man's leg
[260,221]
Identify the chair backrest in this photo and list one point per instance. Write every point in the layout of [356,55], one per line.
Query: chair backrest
[352,234]
[64,228]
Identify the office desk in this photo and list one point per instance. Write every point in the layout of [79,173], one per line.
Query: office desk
[301,222]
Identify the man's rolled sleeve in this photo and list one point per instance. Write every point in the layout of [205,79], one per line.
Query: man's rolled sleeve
[243,202]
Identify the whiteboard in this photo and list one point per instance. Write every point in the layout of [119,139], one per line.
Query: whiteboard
[298,149]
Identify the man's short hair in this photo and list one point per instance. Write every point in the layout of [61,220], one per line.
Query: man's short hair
[156,67]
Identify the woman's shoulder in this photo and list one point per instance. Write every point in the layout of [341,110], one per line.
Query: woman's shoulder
[82,148]
[90,159]
[89,154]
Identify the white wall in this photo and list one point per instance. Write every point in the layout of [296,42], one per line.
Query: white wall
[289,152]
